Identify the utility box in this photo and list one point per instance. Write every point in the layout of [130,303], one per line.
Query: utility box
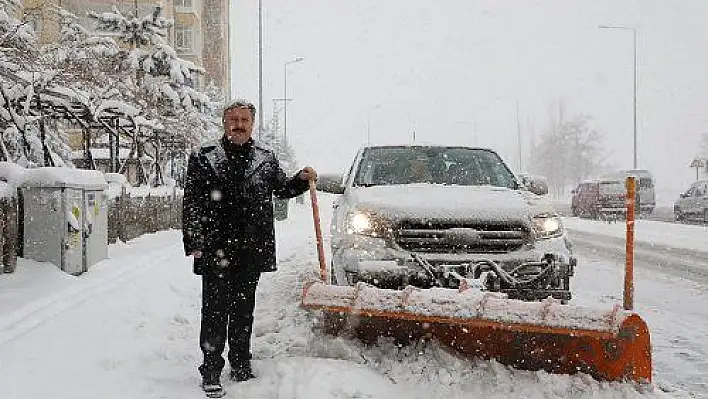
[65,217]
[280,208]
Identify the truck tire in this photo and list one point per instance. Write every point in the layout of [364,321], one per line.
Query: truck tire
[678,215]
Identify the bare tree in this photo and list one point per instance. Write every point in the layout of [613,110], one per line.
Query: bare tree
[568,152]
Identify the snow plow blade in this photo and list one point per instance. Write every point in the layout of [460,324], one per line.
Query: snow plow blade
[608,345]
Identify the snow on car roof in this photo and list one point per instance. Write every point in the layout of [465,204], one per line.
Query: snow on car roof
[423,145]
[451,201]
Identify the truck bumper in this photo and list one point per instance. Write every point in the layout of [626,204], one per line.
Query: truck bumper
[370,259]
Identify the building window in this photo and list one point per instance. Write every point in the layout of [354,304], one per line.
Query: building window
[33,18]
[183,38]
[183,3]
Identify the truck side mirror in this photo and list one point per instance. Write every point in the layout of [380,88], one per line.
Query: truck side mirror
[537,186]
[330,183]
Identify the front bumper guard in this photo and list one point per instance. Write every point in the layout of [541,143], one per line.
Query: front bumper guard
[529,280]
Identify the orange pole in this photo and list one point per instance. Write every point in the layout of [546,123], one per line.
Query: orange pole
[629,266]
[318,230]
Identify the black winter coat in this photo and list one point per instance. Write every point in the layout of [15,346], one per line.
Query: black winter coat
[228,214]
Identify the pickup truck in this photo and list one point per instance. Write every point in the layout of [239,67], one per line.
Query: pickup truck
[446,216]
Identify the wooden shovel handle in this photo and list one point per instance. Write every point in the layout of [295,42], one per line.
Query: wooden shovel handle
[318,230]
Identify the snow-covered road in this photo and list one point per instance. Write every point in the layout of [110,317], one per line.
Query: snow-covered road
[670,294]
[128,329]
[671,289]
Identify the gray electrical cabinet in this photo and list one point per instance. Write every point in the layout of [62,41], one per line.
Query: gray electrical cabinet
[65,217]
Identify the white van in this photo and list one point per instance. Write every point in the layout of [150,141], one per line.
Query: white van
[646,198]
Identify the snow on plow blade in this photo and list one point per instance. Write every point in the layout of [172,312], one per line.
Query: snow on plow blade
[609,345]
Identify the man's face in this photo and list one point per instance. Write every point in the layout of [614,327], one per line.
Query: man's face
[238,125]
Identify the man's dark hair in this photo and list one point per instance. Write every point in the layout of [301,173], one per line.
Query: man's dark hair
[239,104]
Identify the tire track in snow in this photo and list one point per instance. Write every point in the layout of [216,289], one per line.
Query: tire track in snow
[33,315]
[684,263]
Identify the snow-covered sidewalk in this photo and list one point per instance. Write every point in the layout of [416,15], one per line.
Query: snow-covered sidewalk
[128,329]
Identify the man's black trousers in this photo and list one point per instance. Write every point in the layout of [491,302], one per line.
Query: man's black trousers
[228,300]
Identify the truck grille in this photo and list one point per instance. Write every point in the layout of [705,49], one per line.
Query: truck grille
[612,204]
[461,238]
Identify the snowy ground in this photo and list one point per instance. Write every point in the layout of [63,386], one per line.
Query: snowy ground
[128,329]
[671,289]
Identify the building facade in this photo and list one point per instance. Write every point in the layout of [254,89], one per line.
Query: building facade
[200,32]
[215,26]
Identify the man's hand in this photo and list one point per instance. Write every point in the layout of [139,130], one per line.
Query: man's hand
[307,173]
[197,254]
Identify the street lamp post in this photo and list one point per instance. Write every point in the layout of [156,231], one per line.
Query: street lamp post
[634,36]
[260,68]
[518,137]
[285,96]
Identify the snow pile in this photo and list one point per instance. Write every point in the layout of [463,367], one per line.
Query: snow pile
[72,94]
[115,105]
[116,184]
[11,177]
[101,153]
[116,178]
[165,191]
[64,177]
[150,123]
[461,306]
[12,173]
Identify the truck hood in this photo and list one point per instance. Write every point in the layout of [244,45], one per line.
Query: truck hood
[450,202]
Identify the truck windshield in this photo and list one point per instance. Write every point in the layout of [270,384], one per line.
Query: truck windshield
[611,187]
[432,165]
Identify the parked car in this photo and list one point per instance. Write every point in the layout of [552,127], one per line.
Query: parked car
[426,215]
[693,204]
[599,199]
[646,197]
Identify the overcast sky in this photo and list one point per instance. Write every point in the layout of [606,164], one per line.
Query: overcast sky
[452,71]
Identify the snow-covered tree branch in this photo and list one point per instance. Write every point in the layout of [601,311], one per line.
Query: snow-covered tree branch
[86,75]
[137,32]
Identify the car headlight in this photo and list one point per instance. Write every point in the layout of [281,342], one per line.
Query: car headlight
[547,226]
[364,223]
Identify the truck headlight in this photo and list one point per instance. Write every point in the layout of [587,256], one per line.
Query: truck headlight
[547,226]
[364,223]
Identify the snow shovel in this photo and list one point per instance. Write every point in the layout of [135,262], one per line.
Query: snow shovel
[609,345]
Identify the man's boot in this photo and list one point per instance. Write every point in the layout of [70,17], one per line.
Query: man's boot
[212,387]
[241,372]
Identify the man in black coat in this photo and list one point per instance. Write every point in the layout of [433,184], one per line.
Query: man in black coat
[228,229]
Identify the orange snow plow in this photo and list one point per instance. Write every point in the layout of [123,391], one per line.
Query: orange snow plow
[606,344]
